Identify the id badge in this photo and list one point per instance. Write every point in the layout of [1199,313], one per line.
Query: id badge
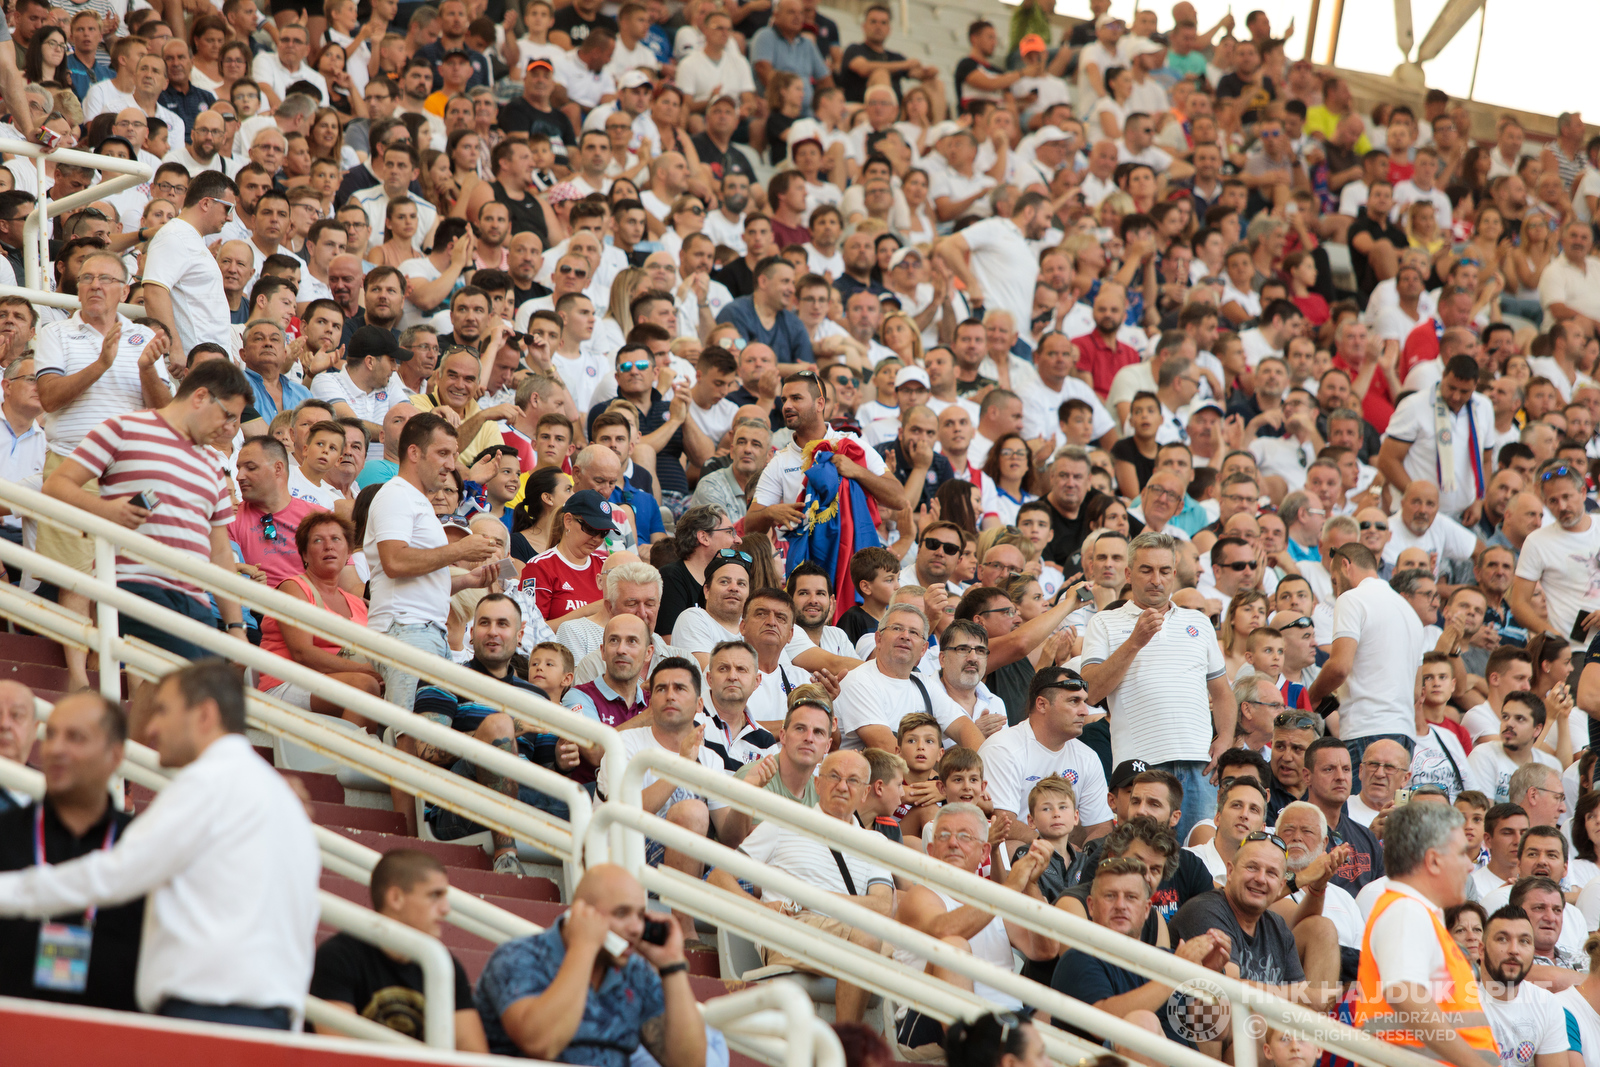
[63,961]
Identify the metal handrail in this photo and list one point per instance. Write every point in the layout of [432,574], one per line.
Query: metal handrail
[1126,952]
[526,709]
[438,969]
[778,1023]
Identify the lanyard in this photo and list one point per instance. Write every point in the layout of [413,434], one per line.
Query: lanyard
[38,847]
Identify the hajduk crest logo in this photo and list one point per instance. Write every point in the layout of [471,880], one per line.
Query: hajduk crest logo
[1191,631]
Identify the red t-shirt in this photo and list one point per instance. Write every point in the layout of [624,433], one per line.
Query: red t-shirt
[1377,407]
[560,587]
[1421,345]
[789,235]
[1102,360]
[1313,307]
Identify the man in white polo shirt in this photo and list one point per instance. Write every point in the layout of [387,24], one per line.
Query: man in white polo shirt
[1159,667]
[368,386]
[1043,744]
[1377,647]
[775,502]
[994,260]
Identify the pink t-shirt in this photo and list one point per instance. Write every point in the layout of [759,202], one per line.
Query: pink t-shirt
[277,556]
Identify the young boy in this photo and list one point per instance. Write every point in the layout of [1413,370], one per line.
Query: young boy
[921,746]
[1263,650]
[1053,814]
[875,575]
[1438,686]
[1077,422]
[1473,805]
[550,667]
[1033,521]
[885,788]
[961,782]
[325,443]
[554,443]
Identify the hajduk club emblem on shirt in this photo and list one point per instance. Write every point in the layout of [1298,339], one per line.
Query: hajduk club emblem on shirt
[1191,631]
[136,339]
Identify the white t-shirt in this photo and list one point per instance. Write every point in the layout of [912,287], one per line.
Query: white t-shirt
[1257,347]
[1388,638]
[1413,423]
[1439,758]
[1014,760]
[1215,864]
[637,741]
[697,631]
[300,487]
[67,347]
[269,71]
[770,701]
[698,75]
[1567,565]
[1534,1021]
[1494,768]
[581,375]
[1446,537]
[179,261]
[868,698]
[1481,721]
[1162,710]
[1041,408]
[1359,811]
[1574,930]
[1572,998]
[1340,908]
[809,859]
[1404,944]
[401,513]
[782,477]
[1005,267]
[369,407]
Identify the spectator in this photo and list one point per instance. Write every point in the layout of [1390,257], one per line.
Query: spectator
[225,853]
[1550,556]
[731,730]
[1521,1013]
[1503,828]
[1541,899]
[1409,962]
[162,453]
[724,591]
[631,588]
[1377,643]
[1385,767]
[534,1005]
[1543,853]
[1172,707]
[1043,744]
[1496,762]
[409,555]
[959,835]
[994,260]
[1569,289]
[763,316]
[1414,447]
[616,694]
[1536,788]
[725,488]
[790,772]
[875,696]
[1304,830]
[564,580]
[410,887]
[81,751]
[18,733]
[1328,779]
[268,512]
[780,46]
[1241,810]
[182,282]
[1292,733]
[842,780]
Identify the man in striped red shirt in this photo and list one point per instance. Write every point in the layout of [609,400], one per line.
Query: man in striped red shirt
[162,453]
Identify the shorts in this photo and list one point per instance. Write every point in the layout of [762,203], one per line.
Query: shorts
[773,957]
[655,851]
[182,603]
[66,546]
[292,695]
[449,826]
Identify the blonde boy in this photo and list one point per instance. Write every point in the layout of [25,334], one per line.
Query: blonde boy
[885,788]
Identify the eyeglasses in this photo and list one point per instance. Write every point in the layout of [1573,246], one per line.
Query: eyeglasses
[933,544]
[1007,611]
[1262,835]
[98,279]
[1265,704]
[967,650]
[172,187]
[960,837]
[229,418]
[1239,565]
[835,777]
[637,364]
[696,210]
[1162,494]
[1374,767]
[1013,453]
[1374,525]
[1295,720]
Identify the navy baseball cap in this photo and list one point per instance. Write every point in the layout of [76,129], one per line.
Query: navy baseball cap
[591,509]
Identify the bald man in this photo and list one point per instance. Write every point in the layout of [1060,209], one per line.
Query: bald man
[1385,767]
[574,993]
[841,785]
[18,729]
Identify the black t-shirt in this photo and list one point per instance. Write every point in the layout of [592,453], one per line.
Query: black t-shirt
[722,162]
[856,623]
[938,473]
[1090,979]
[1127,450]
[777,146]
[739,280]
[1010,683]
[669,459]
[378,986]
[855,85]
[826,32]
[1367,863]
[114,952]
[1187,882]
[1366,280]
[519,116]
[1268,957]
[577,28]
[1066,538]
[679,593]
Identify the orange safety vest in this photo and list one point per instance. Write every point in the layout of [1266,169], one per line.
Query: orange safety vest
[1460,1004]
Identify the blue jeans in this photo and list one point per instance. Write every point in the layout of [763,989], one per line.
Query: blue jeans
[1358,745]
[449,826]
[400,688]
[1199,795]
[227,1014]
[171,599]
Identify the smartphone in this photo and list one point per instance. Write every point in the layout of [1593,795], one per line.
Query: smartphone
[615,945]
[654,932]
[1402,796]
[1085,594]
[145,499]
[508,570]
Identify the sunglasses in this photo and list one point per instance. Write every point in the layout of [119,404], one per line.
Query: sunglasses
[695,210]
[1302,623]
[632,365]
[734,553]
[579,271]
[1295,720]
[1070,681]
[1374,526]
[1562,471]
[1239,565]
[933,544]
[1262,835]
[269,528]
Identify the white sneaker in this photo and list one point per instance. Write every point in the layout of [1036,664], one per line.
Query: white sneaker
[507,863]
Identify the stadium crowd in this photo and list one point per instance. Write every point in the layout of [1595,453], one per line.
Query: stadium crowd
[1210,547]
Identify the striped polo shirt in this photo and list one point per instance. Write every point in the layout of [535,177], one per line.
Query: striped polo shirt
[142,452]
[67,347]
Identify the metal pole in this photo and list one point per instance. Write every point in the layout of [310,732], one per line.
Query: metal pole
[1333,30]
[1472,87]
[105,569]
[1311,27]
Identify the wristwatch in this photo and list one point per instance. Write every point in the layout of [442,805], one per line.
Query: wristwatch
[1292,883]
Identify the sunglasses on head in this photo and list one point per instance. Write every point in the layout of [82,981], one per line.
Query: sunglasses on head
[1563,471]
[1262,835]
[1302,623]
[1295,720]
[1069,681]
[734,553]
[933,544]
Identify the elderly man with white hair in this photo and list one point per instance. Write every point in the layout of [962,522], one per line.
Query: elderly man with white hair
[18,729]
[1304,830]
[628,587]
[960,834]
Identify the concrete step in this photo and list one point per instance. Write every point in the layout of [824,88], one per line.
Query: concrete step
[335,816]
[30,648]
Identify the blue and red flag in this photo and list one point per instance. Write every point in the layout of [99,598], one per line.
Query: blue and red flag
[840,518]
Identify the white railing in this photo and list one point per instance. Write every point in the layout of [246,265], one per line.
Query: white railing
[1126,952]
[775,1022]
[35,234]
[523,707]
[438,971]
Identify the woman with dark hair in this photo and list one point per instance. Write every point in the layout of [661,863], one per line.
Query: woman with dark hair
[1465,923]
[956,504]
[206,38]
[533,520]
[1552,667]
[1016,478]
[1585,864]
[764,571]
[1104,511]
[622,189]
[994,1041]
[1247,610]
[46,63]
